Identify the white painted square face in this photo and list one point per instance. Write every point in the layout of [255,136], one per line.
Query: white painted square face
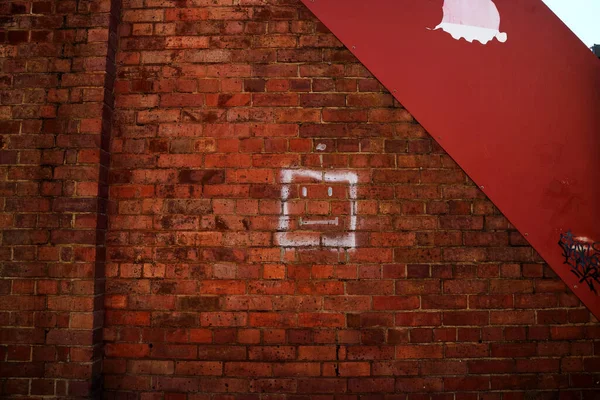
[302,223]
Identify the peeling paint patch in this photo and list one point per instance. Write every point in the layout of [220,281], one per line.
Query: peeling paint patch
[472,20]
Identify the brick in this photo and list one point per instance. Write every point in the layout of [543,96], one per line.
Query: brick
[203,368]
[443,368]
[181,100]
[418,287]
[171,351]
[476,318]
[395,302]
[479,383]
[510,286]
[243,369]
[464,286]
[127,350]
[276,353]
[290,369]
[395,368]
[513,349]
[443,302]
[491,366]
[418,319]
[153,367]
[491,301]
[412,384]
[512,318]
[426,351]
[381,385]
[315,353]
[459,350]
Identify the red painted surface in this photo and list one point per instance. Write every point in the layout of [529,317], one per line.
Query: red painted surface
[521,117]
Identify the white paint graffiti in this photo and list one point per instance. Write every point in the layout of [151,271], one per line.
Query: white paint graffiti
[472,20]
[346,237]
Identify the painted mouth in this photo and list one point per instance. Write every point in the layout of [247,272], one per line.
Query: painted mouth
[304,221]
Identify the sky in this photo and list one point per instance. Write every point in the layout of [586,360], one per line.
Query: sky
[582,16]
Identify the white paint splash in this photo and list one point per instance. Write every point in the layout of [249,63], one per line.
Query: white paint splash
[321,147]
[346,238]
[472,20]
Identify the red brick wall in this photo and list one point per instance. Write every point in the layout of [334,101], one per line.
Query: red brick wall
[56,75]
[440,299]
[441,294]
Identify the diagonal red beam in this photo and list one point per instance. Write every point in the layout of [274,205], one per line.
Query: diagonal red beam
[521,117]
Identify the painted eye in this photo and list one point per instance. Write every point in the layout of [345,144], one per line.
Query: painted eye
[329,191]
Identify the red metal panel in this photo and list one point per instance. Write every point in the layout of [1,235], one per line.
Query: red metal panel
[522,117]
